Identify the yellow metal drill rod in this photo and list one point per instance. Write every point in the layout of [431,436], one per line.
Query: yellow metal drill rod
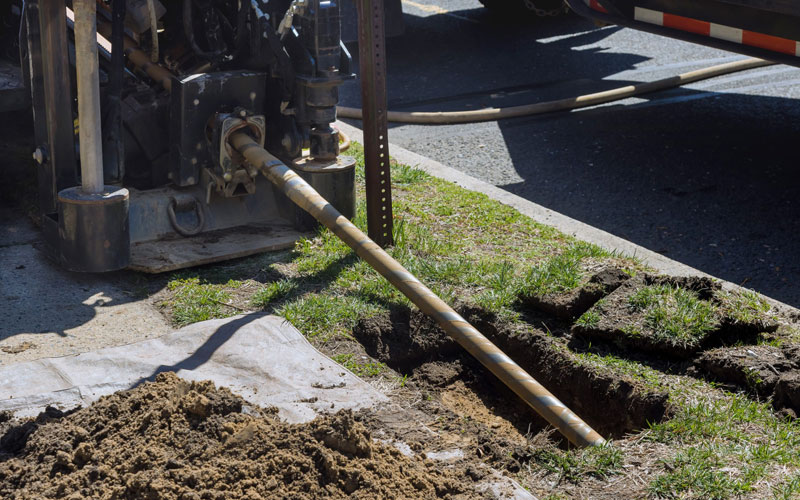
[526,387]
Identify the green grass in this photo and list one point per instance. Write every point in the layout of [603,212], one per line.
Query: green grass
[703,472]
[637,371]
[592,317]
[726,446]
[195,300]
[403,175]
[561,272]
[744,307]
[787,490]
[589,319]
[359,367]
[327,317]
[752,378]
[273,292]
[454,240]
[575,465]
[735,418]
[675,315]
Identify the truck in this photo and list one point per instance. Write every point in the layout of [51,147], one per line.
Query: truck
[768,29]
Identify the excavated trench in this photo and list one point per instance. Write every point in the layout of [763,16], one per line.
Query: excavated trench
[410,343]
[611,401]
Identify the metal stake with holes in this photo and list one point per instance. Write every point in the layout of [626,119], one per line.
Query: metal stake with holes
[372,69]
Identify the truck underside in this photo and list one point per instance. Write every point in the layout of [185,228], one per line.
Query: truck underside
[769,29]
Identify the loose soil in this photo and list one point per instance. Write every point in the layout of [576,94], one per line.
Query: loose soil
[173,439]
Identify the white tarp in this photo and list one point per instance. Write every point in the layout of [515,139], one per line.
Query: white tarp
[263,358]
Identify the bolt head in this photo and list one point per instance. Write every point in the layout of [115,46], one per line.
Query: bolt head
[38,156]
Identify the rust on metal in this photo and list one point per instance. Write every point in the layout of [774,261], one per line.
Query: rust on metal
[372,69]
[509,372]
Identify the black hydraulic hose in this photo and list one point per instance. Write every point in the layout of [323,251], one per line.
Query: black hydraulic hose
[188,31]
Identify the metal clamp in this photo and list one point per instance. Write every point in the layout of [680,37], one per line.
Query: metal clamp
[184,203]
[222,126]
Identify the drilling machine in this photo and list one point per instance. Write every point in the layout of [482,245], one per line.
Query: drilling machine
[152,183]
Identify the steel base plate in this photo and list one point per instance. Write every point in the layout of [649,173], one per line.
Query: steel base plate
[169,254]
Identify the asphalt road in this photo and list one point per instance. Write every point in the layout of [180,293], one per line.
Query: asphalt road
[708,174]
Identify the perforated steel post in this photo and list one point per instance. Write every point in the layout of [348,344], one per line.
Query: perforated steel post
[372,72]
[517,379]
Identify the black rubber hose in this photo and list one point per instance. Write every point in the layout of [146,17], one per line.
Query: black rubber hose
[188,31]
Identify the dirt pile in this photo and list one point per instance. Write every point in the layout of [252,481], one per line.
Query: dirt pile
[173,439]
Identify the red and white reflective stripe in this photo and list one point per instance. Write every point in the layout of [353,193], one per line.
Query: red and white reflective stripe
[719,31]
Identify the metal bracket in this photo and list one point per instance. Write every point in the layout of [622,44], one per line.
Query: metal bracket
[231,175]
[372,66]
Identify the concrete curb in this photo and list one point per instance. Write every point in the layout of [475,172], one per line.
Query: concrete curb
[546,216]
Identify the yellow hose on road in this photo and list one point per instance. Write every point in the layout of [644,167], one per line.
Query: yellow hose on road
[492,114]
[517,379]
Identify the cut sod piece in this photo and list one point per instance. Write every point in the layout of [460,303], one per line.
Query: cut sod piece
[675,316]
[569,283]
